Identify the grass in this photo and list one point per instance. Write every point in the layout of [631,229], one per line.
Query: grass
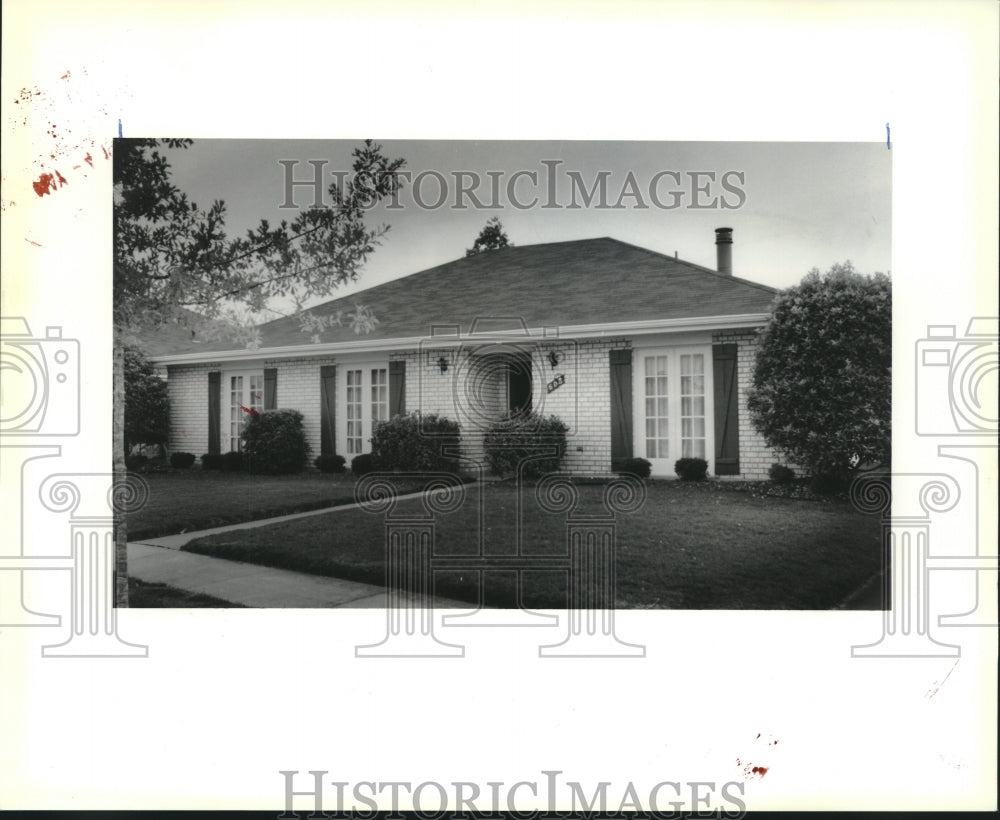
[692,546]
[187,500]
[144,595]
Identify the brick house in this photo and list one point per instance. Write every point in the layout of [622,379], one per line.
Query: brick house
[639,353]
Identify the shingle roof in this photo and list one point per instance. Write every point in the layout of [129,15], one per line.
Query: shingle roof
[579,282]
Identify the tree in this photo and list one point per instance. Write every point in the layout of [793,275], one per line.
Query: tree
[822,383]
[147,406]
[491,237]
[169,254]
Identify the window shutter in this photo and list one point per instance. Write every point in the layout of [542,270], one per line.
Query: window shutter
[214,412]
[328,409]
[621,407]
[270,388]
[397,388]
[727,430]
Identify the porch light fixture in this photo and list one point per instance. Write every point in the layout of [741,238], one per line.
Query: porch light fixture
[443,364]
[554,358]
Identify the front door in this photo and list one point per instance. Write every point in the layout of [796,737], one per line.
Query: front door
[672,407]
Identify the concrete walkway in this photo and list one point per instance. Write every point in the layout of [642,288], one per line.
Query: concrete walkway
[162,561]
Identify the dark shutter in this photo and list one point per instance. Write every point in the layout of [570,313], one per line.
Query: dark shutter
[621,407]
[328,409]
[727,429]
[270,388]
[397,388]
[214,412]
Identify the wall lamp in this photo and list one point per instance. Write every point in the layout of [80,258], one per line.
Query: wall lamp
[554,358]
[443,364]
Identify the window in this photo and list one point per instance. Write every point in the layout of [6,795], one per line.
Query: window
[380,394]
[365,392]
[692,405]
[246,393]
[671,407]
[657,410]
[352,395]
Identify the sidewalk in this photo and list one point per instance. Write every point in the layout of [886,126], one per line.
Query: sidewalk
[253,585]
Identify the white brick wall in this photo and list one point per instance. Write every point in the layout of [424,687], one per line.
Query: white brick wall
[188,390]
[583,402]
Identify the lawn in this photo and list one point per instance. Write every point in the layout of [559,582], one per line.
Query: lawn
[187,500]
[692,546]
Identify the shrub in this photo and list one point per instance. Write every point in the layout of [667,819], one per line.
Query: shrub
[638,467]
[365,463]
[181,460]
[233,461]
[829,483]
[211,461]
[822,382]
[330,464]
[136,462]
[517,437]
[691,469]
[274,442]
[780,474]
[415,442]
[147,406]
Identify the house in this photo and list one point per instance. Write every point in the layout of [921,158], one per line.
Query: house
[641,354]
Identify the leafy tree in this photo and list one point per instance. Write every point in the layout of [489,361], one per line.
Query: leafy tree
[822,384]
[169,255]
[147,406]
[491,237]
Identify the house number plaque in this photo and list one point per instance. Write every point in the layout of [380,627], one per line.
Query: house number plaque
[557,382]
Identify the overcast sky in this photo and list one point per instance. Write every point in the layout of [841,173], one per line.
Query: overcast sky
[792,206]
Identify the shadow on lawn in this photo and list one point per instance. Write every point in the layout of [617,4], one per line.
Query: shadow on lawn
[707,545]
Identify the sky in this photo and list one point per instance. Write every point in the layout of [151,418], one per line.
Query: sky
[792,206]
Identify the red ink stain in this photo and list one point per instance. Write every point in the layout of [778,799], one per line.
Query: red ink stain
[43,184]
[758,735]
[761,770]
[89,159]
[32,243]
[65,76]
[62,179]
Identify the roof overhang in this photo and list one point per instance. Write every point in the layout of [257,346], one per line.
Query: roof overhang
[540,334]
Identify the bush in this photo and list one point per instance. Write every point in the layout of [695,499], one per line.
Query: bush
[830,483]
[415,442]
[330,464]
[365,463]
[691,469]
[780,474]
[517,437]
[135,462]
[233,461]
[274,442]
[181,460]
[638,467]
[822,382]
[211,461]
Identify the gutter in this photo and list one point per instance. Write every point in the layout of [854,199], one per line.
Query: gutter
[549,334]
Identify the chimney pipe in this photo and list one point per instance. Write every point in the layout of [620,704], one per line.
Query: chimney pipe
[724,250]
